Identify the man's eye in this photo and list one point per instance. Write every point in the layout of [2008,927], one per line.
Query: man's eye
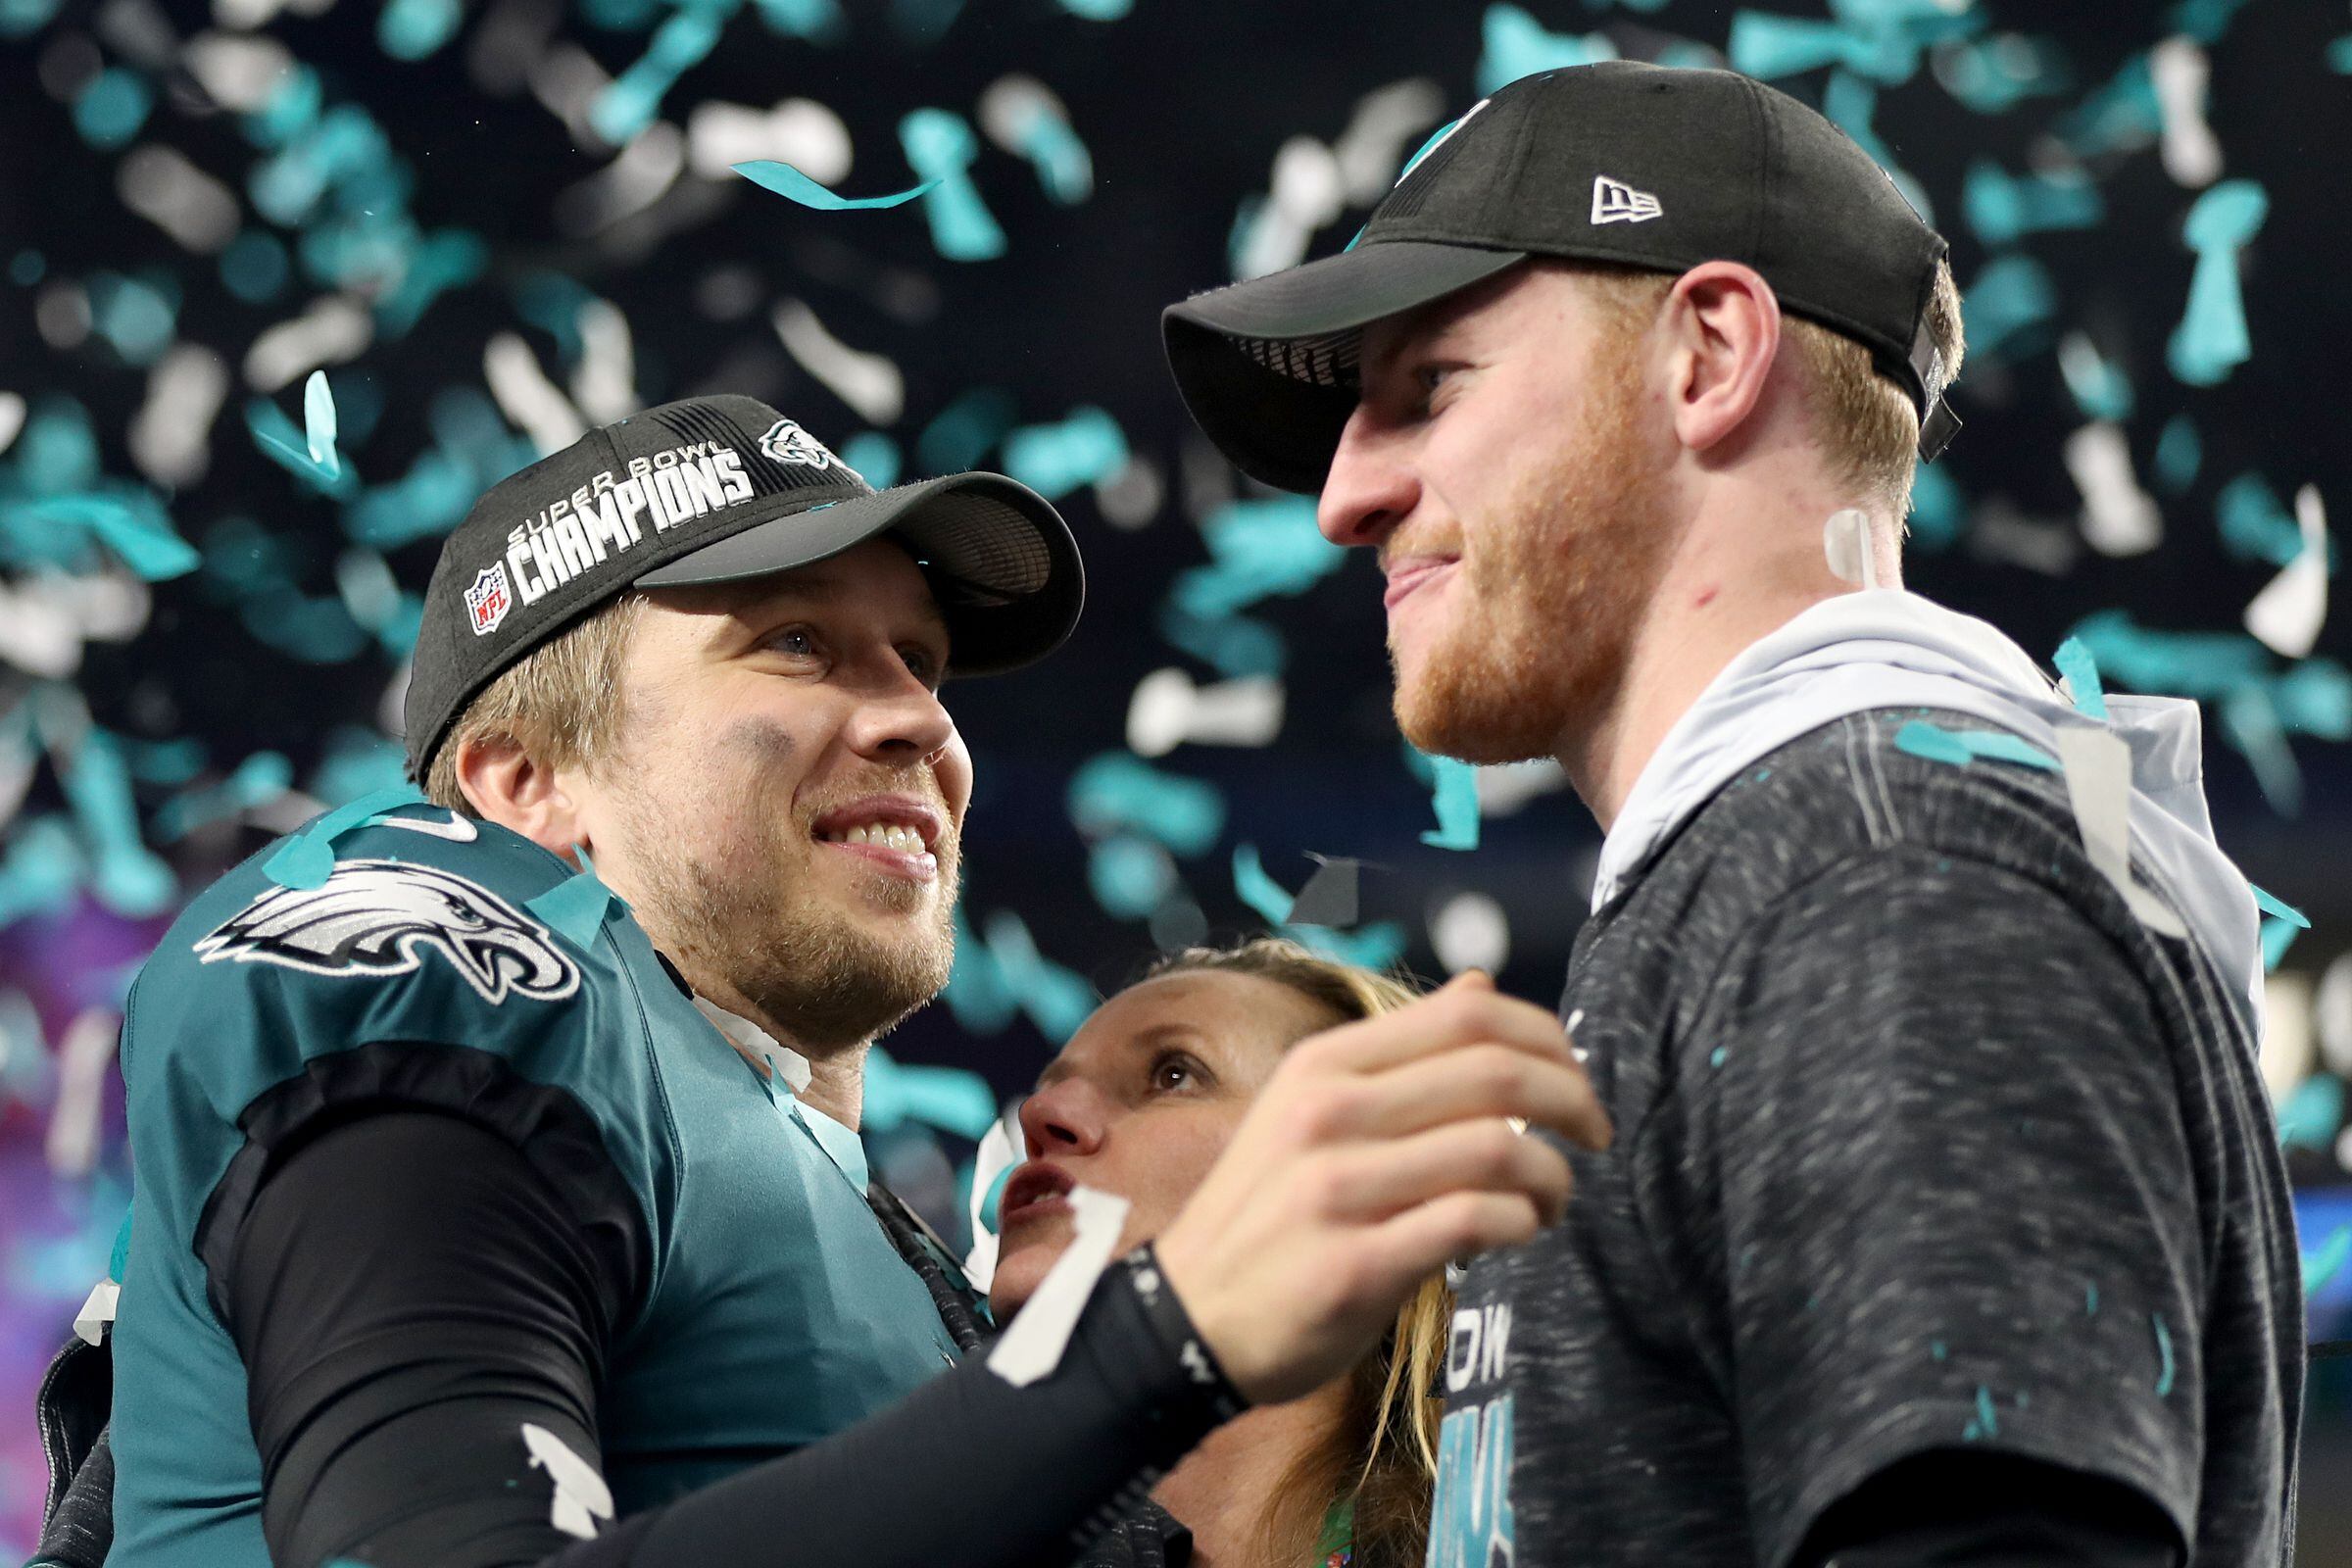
[796,641]
[922,662]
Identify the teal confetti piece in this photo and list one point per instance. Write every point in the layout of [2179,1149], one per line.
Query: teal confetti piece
[1938,510]
[1055,459]
[575,907]
[1260,549]
[413,29]
[41,870]
[307,858]
[995,1200]
[1129,877]
[976,991]
[1993,75]
[1987,1421]
[1453,796]
[319,424]
[2271,905]
[1235,646]
[874,457]
[2211,340]
[110,106]
[1717,1057]
[629,103]
[2090,1300]
[1961,747]
[437,263]
[290,450]
[2255,525]
[2123,114]
[2005,308]
[2327,1260]
[2001,208]
[1255,889]
[942,147]
[954,1100]
[124,874]
[259,779]
[132,523]
[2276,937]
[2081,671]
[136,318]
[819,20]
[1117,792]
[118,1259]
[2202,19]
[795,186]
[2164,1353]
[1056,999]
[2339,56]
[254,267]
[961,434]
[2178,455]
[357,761]
[1099,10]
[2312,1112]
[1373,947]
[1514,44]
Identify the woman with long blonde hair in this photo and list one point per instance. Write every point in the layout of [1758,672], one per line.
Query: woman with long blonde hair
[1139,1104]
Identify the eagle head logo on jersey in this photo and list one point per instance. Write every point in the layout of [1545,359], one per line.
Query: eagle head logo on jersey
[382,916]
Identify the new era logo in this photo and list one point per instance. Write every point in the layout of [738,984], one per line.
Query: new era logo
[1615,202]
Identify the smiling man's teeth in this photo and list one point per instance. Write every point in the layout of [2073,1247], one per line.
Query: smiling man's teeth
[889,834]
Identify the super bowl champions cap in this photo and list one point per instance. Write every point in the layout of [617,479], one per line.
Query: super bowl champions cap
[710,490]
[1640,164]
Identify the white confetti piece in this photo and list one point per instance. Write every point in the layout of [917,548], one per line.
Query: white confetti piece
[869,384]
[2188,151]
[1387,120]
[2098,782]
[1308,194]
[12,417]
[1506,788]
[799,131]
[1471,931]
[237,72]
[332,331]
[1032,1348]
[171,436]
[178,198]
[604,383]
[582,1496]
[97,1311]
[1169,711]
[85,1056]
[646,169]
[527,397]
[2287,616]
[2119,517]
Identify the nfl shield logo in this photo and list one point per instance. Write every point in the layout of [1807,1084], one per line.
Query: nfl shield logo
[487,600]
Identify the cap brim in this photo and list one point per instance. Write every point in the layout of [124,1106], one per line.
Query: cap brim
[999,559]
[1268,367]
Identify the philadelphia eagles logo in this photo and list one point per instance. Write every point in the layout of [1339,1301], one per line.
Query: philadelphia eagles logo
[381,917]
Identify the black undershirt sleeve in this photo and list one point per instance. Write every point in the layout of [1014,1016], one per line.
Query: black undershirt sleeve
[1958,1508]
[406,1290]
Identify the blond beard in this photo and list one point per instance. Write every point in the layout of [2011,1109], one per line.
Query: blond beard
[804,966]
[1549,595]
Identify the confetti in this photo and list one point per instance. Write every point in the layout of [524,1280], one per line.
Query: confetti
[940,147]
[793,186]
[2211,340]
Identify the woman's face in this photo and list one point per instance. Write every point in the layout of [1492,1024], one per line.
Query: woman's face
[1140,1104]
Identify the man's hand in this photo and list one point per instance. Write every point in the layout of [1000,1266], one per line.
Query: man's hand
[1377,1152]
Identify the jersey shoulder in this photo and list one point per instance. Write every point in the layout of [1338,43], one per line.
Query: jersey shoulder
[416,969]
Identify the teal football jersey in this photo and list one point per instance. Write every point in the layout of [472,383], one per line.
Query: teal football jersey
[776,1309]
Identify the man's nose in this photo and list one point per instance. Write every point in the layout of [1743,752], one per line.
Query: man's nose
[902,723]
[1370,489]
[1066,1116]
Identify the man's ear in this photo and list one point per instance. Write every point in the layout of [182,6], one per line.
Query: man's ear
[1724,326]
[510,787]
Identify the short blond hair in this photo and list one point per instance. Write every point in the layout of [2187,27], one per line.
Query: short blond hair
[562,702]
[1866,422]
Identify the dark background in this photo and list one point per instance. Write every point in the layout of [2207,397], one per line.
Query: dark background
[1183,107]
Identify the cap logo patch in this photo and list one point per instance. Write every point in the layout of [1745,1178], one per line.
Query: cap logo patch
[787,442]
[1615,202]
[488,601]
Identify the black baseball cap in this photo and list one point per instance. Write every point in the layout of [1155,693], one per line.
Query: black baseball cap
[1645,166]
[712,490]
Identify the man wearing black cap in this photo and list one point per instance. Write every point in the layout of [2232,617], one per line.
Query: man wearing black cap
[1945,1220]
[461,1231]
